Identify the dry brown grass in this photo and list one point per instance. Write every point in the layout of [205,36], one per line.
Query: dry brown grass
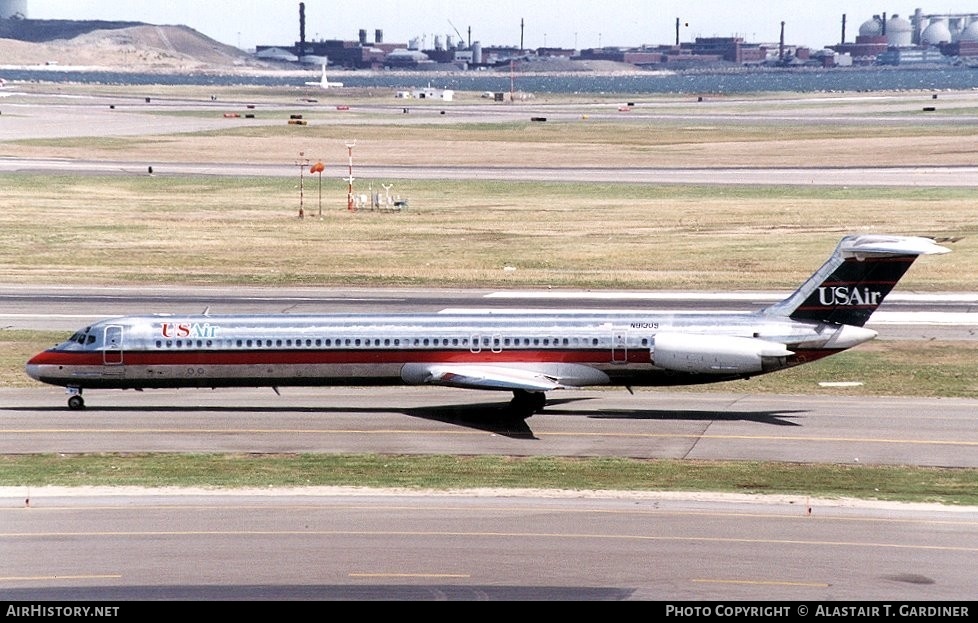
[229,230]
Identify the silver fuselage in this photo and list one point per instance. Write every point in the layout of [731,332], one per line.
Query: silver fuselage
[574,349]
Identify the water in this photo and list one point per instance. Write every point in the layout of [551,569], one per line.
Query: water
[695,82]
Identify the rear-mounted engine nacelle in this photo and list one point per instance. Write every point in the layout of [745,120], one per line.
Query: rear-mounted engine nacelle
[717,354]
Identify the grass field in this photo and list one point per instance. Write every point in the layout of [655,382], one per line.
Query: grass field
[437,472]
[228,230]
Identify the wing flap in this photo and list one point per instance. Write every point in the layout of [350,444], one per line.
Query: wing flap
[479,377]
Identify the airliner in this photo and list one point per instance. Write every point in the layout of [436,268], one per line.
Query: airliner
[324,82]
[527,354]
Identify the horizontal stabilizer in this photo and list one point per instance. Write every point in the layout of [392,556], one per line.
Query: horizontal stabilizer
[890,245]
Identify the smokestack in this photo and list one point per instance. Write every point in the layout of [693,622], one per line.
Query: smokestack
[677,31]
[363,36]
[302,28]
[521,34]
[843,28]
[781,44]
[378,36]
[884,24]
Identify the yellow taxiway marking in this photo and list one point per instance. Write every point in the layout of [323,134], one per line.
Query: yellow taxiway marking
[762,582]
[480,534]
[409,575]
[29,578]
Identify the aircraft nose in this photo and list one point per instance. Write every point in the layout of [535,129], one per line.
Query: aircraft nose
[33,367]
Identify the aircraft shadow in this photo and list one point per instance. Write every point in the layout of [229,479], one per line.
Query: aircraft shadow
[498,418]
[773,418]
[493,417]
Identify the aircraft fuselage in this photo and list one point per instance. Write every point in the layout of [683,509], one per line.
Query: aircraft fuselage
[576,349]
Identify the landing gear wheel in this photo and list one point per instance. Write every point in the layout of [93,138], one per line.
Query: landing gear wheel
[76,403]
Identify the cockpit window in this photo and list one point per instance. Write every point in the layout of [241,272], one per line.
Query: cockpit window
[91,339]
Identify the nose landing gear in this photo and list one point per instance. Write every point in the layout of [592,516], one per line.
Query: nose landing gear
[75,400]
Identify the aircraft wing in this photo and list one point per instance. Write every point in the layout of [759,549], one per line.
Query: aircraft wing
[481,377]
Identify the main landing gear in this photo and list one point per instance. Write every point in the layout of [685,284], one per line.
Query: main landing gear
[75,400]
[526,403]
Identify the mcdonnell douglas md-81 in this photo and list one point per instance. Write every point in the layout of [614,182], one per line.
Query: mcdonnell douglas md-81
[527,354]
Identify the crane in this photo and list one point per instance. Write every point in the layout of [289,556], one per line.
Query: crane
[460,37]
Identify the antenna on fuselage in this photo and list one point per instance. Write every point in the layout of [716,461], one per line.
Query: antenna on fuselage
[207,311]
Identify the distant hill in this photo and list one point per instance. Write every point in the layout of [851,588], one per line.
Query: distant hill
[118,46]
[41,30]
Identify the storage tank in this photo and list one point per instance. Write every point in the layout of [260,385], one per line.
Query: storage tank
[936,33]
[970,33]
[899,32]
[871,27]
[16,9]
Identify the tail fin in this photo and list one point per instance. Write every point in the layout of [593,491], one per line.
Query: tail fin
[853,282]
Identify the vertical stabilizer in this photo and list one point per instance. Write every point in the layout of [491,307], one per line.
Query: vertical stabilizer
[853,282]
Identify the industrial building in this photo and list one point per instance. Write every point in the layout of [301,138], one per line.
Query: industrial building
[931,38]
[924,38]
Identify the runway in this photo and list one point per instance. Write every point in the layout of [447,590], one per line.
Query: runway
[650,424]
[923,176]
[107,547]
[946,316]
